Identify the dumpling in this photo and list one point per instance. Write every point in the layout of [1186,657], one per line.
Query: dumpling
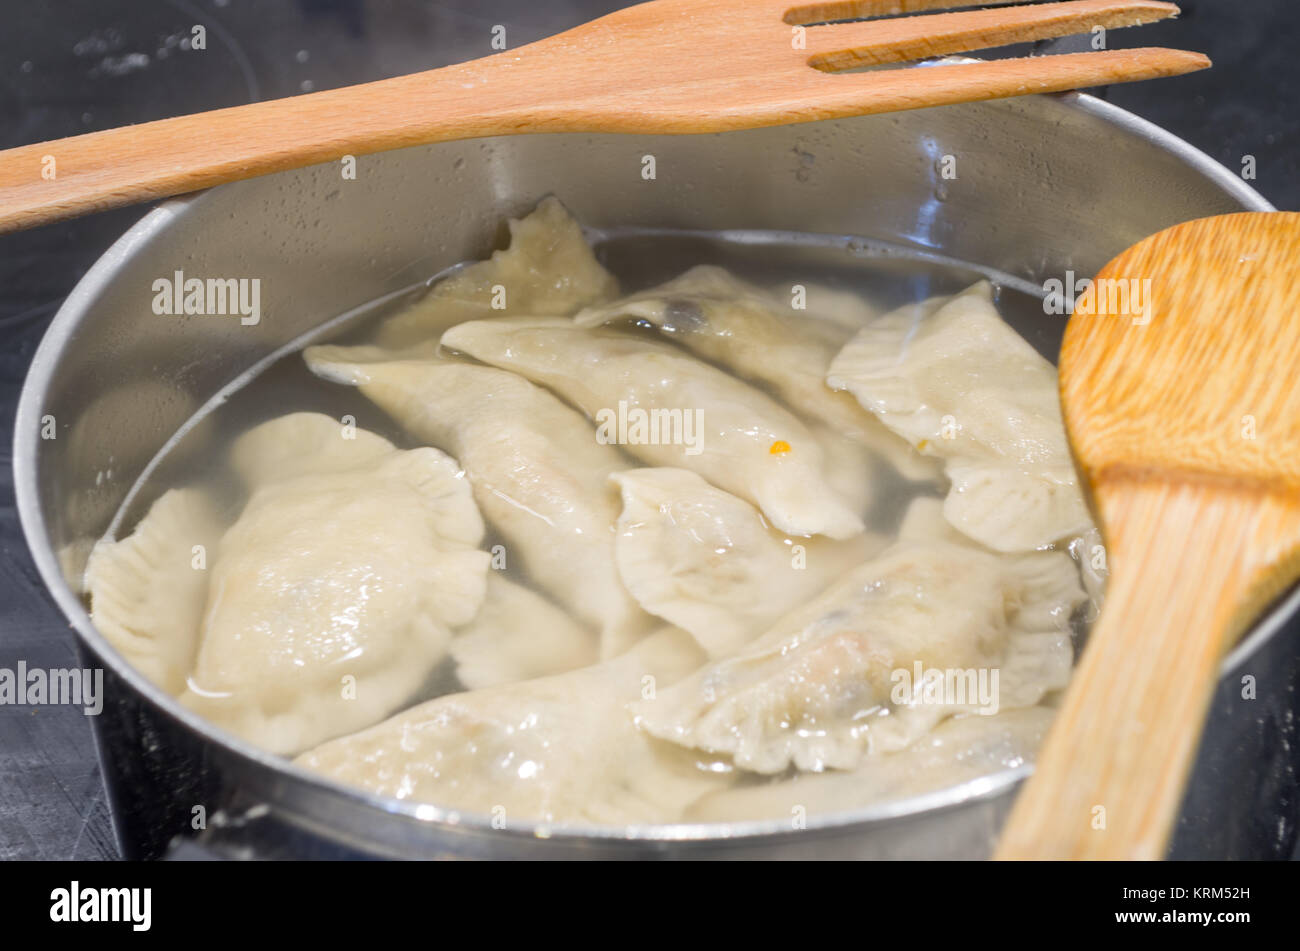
[302,444]
[852,673]
[332,596]
[147,591]
[556,750]
[925,521]
[709,562]
[1090,554]
[956,751]
[537,471]
[519,635]
[745,442]
[548,269]
[957,382]
[762,338]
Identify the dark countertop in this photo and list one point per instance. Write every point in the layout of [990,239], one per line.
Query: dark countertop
[72,66]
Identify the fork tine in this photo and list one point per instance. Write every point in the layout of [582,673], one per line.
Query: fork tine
[847,45]
[894,90]
[853,9]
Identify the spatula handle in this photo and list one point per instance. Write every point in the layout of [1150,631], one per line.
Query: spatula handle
[1185,578]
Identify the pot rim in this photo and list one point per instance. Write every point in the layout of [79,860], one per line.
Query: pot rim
[25,446]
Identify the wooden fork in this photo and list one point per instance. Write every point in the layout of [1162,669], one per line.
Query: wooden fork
[669,66]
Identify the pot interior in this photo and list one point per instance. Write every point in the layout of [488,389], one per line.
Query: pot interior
[1030,190]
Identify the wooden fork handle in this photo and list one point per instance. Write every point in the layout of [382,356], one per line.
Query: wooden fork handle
[64,178]
[1190,564]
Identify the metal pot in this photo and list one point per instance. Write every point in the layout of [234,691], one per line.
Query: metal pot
[1044,185]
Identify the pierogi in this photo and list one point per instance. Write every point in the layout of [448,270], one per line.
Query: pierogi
[325,604]
[959,384]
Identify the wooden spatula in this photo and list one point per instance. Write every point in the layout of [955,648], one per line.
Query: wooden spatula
[1181,395]
[667,66]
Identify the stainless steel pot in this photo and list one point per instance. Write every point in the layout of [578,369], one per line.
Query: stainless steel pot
[1044,186]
